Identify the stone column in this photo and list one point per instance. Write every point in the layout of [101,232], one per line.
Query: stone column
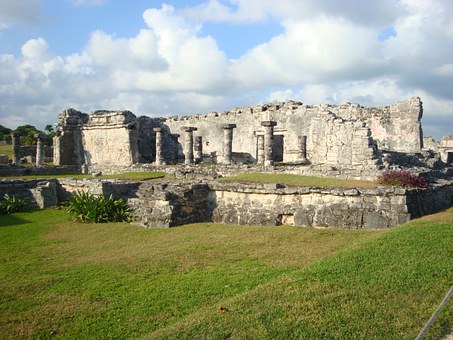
[15,137]
[159,145]
[228,143]
[40,148]
[174,148]
[260,146]
[268,141]
[198,149]
[188,144]
[302,156]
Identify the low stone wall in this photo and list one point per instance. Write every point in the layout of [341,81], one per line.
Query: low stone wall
[163,205]
[166,205]
[40,193]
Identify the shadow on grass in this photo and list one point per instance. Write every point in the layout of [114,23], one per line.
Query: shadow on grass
[9,220]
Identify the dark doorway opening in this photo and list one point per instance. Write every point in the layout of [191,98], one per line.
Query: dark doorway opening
[450,157]
[279,145]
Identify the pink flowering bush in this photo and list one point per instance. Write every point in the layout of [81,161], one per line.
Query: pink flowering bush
[403,178]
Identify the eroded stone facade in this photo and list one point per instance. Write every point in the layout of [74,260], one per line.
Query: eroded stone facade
[163,205]
[346,135]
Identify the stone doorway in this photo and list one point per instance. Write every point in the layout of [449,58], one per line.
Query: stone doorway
[450,157]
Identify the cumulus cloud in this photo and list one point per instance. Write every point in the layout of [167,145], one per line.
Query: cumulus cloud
[328,51]
[367,13]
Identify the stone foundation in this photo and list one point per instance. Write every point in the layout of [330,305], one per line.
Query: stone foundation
[170,204]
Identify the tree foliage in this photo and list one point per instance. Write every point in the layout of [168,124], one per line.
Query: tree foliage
[5,133]
[28,134]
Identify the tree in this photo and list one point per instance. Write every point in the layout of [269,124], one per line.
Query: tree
[5,134]
[49,128]
[51,133]
[28,134]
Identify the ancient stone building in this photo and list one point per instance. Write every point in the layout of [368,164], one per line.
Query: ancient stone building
[346,135]
[444,147]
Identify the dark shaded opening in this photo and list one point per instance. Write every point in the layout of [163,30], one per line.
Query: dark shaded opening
[450,157]
[278,148]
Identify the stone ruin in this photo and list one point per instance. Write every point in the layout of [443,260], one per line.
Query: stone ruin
[346,141]
[347,138]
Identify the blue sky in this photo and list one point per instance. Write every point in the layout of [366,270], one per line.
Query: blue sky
[197,56]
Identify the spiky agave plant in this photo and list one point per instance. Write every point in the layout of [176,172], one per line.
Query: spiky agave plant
[85,207]
[11,204]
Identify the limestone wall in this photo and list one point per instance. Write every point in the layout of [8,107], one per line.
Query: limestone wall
[396,127]
[272,204]
[337,135]
[335,141]
[169,204]
[110,138]
[445,148]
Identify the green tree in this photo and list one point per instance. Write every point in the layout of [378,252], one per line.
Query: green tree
[5,134]
[50,134]
[28,134]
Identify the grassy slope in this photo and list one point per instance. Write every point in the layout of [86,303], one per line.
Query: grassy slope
[205,280]
[388,288]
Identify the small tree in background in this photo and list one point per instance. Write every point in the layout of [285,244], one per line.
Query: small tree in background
[50,134]
[5,134]
[28,134]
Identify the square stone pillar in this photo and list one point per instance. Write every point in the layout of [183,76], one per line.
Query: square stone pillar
[40,138]
[188,144]
[268,142]
[15,137]
[159,146]
[302,155]
[228,143]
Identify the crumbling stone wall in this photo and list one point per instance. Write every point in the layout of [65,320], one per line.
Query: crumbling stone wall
[68,144]
[445,148]
[396,127]
[165,205]
[110,137]
[337,135]
[335,141]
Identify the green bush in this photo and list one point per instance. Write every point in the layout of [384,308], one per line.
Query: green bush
[84,207]
[12,204]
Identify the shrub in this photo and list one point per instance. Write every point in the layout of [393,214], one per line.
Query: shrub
[404,179]
[12,204]
[84,207]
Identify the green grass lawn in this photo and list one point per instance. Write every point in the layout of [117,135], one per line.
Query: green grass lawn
[7,150]
[127,176]
[71,280]
[298,180]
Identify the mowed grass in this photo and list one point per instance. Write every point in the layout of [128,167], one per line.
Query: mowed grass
[6,150]
[127,176]
[71,280]
[300,181]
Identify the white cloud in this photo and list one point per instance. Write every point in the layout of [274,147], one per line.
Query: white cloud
[367,13]
[326,53]
[324,49]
